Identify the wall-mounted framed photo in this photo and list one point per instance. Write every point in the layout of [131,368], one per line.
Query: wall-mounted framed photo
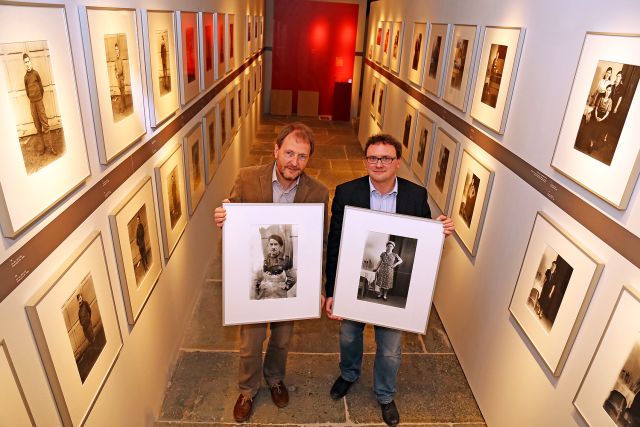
[256,80]
[396,46]
[75,327]
[230,25]
[115,80]
[14,410]
[207,49]
[416,52]
[172,200]
[189,58]
[386,43]
[158,28]
[598,143]
[608,395]
[225,133]
[194,162]
[389,287]
[438,43]
[498,65]
[272,262]
[43,156]
[374,98]
[442,170]
[135,238]
[381,102]
[238,95]
[233,111]
[471,200]
[221,44]
[422,147]
[556,281]
[408,130]
[260,75]
[248,36]
[377,51]
[211,145]
[255,46]
[261,31]
[460,65]
[246,94]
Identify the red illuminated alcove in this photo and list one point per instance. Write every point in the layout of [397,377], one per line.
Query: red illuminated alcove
[313,47]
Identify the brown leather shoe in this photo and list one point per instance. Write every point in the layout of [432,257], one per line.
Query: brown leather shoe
[242,409]
[279,394]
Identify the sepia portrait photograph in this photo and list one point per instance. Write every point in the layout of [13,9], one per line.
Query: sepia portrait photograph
[194,162]
[493,74]
[408,129]
[117,55]
[416,52]
[396,46]
[224,130]
[274,259]
[623,403]
[32,90]
[445,151]
[272,269]
[173,195]
[374,85]
[606,109]
[210,138]
[436,48]
[385,44]
[469,194]
[422,147]
[140,244]
[230,40]
[164,76]
[84,326]
[220,43]
[386,286]
[233,125]
[557,278]
[456,82]
[387,264]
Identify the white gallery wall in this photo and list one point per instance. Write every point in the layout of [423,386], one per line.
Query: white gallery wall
[509,379]
[133,391]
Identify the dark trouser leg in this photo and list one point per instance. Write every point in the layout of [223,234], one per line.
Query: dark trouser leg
[251,339]
[275,361]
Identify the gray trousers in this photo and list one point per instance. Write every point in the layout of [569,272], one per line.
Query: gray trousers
[275,359]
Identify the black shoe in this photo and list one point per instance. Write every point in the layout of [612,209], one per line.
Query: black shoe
[390,413]
[340,388]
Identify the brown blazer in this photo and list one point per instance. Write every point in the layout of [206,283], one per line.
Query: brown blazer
[253,185]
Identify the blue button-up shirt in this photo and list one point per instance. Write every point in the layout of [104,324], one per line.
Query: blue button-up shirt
[383,202]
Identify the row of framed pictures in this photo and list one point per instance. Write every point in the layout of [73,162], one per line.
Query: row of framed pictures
[441,61]
[595,135]
[183,54]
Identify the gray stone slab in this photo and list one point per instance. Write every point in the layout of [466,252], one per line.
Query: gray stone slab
[436,339]
[204,389]
[431,389]
[205,330]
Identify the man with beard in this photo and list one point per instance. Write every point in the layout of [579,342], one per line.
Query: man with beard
[283,181]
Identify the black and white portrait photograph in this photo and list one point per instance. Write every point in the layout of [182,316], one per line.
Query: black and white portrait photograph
[139,241]
[274,258]
[84,326]
[441,171]
[117,55]
[422,146]
[224,140]
[32,91]
[493,74]
[396,45]
[380,99]
[415,55]
[623,403]
[459,60]
[469,194]
[549,286]
[434,58]
[173,193]
[406,130]
[374,83]
[606,109]
[164,76]
[232,111]
[387,264]
[196,172]
[195,164]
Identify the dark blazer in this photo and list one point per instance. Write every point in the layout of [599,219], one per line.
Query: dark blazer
[411,200]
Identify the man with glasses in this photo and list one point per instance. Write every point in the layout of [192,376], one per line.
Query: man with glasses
[283,181]
[383,191]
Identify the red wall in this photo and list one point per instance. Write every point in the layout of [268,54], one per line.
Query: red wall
[314,46]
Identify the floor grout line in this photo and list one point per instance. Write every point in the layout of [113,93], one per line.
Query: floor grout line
[305,353]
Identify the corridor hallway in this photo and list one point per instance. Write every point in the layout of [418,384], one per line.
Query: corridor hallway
[432,389]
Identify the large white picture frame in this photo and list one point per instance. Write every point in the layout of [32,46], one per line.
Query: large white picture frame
[396,46]
[365,241]
[436,54]
[377,52]
[75,326]
[408,130]
[172,200]
[416,52]
[496,76]
[230,24]
[33,177]
[554,288]
[462,53]
[385,50]
[189,58]
[159,38]
[602,156]
[442,170]
[422,145]
[211,142]
[207,49]
[135,237]
[14,410]
[221,44]
[606,392]
[471,200]
[272,262]
[115,79]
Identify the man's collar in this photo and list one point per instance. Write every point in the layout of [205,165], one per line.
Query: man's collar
[393,190]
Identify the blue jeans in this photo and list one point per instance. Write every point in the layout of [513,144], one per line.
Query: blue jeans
[387,361]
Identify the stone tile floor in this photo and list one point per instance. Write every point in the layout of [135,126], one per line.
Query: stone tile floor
[432,389]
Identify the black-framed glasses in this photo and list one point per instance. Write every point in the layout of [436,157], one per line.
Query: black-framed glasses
[372,160]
